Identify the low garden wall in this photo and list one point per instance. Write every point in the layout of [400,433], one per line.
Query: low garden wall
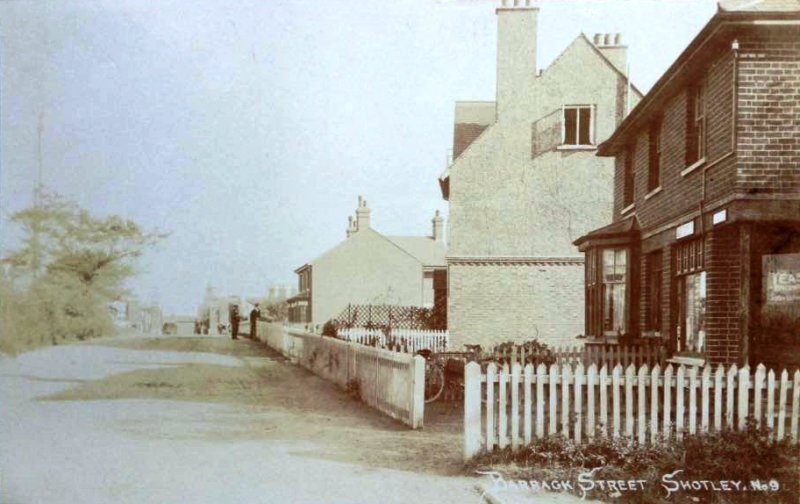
[391,382]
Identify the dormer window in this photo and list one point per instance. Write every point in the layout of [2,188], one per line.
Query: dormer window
[578,125]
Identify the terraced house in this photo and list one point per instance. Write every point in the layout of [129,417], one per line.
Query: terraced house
[704,246]
[525,183]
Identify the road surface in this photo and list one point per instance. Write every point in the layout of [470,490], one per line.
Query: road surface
[206,420]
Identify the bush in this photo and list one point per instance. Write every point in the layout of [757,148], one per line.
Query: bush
[745,456]
[330,329]
[536,352]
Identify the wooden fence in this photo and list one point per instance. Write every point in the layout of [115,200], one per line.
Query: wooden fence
[399,340]
[608,355]
[509,406]
[392,383]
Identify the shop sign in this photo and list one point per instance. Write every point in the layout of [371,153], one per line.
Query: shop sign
[782,278]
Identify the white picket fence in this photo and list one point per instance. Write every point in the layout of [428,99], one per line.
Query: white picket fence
[509,406]
[408,340]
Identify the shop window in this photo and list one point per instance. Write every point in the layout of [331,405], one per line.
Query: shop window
[614,276]
[691,296]
[655,269]
[578,128]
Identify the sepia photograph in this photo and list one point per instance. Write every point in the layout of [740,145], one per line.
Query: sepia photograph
[430,251]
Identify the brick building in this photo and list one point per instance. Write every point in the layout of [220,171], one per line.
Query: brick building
[371,268]
[525,183]
[704,246]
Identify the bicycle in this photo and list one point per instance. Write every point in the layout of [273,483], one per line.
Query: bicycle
[434,376]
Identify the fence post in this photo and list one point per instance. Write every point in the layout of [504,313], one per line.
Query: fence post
[418,392]
[502,414]
[680,407]
[642,406]
[758,384]
[655,374]
[782,404]
[527,412]
[795,405]
[579,378]
[566,377]
[591,379]
[491,373]
[516,372]
[472,410]
[541,370]
[744,391]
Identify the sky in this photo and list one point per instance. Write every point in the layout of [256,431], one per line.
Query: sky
[247,129]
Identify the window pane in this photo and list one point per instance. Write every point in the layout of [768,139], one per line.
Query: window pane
[614,308]
[570,126]
[585,125]
[695,301]
[608,264]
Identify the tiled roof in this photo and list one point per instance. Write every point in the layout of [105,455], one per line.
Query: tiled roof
[759,5]
[615,229]
[425,249]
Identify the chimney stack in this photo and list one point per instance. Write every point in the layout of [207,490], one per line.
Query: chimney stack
[610,44]
[362,215]
[516,56]
[438,227]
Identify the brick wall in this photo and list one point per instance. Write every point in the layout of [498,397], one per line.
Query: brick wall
[723,266]
[494,303]
[682,193]
[769,112]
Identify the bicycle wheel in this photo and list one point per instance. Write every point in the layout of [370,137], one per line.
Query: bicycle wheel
[434,383]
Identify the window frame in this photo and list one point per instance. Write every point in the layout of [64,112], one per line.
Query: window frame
[604,289]
[655,291]
[628,177]
[696,124]
[688,261]
[655,150]
[591,133]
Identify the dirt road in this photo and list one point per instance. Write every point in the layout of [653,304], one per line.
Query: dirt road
[206,420]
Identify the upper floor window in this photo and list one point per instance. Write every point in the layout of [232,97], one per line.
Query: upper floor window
[654,163]
[696,124]
[628,178]
[578,125]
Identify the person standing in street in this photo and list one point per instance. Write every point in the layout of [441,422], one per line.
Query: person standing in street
[255,314]
[235,322]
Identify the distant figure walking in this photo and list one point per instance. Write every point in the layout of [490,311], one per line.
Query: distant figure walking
[255,314]
[235,322]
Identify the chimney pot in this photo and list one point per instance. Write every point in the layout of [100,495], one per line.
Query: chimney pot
[607,40]
[362,215]
[438,227]
[617,39]
[598,39]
